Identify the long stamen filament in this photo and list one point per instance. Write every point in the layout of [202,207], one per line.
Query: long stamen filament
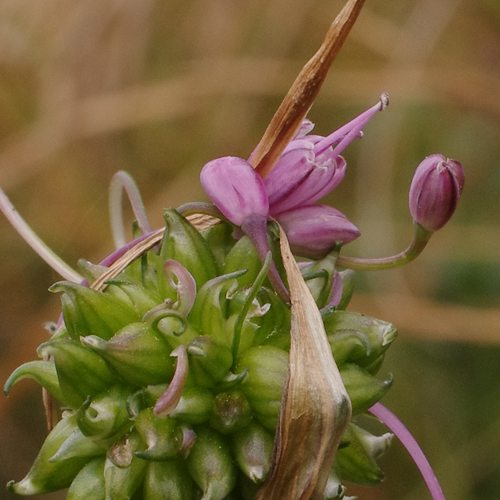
[343,136]
[420,239]
[34,241]
[409,442]
[122,181]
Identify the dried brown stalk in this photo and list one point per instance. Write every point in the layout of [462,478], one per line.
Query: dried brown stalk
[315,407]
[303,91]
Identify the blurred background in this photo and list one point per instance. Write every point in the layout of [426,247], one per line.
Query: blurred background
[158,88]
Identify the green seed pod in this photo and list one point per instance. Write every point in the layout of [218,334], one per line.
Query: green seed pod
[253,449]
[44,475]
[364,390]
[81,372]
[162,435]
[105,416]
[231,412]
[356,462]
[89,482]
[267,371]
[44,372]
[243,255]
[209,362]
[136,353]
[89,312]
[375,334]
[194,407]
[123,480]
[183,243]
[167,480]
[211,465]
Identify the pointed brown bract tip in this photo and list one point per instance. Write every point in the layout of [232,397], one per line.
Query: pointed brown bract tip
[315,408]
[303,91]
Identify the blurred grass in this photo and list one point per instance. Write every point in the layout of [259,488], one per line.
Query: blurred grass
[159,88]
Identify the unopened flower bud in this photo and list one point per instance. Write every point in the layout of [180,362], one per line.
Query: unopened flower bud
[435,190]
[235,188]
[313,230]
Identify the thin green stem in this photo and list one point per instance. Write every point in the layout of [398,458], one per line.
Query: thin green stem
[420,239]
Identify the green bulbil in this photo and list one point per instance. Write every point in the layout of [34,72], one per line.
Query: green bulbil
[356,461]
[89,312]
[168,480]
[43,372]
[183,243]
[123,471]
[374,334]
[231,412]
[105,416]
[78,445]
[253,450]
[194,407]
[81,372]
[243,256]
[89,483]
[162,436]
[209,362]
[140,298]
[363,388]
[267,371]
[211,465]
[45,475]
[136,354]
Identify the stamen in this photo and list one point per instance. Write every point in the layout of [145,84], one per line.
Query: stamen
[122,181]
[409,442]
[34,241]
[343,136]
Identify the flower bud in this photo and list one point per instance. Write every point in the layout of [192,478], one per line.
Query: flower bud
[211,465]
[435,190]
[89,483]
[267,371]
[167,479]
[44,475]
[314,230]
[235,188]
[136,354]
[80,371]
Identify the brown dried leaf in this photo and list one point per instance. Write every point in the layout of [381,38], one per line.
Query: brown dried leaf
[315,407]
[303,91]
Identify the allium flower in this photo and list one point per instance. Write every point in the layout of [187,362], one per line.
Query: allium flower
[435,190]
[313,230]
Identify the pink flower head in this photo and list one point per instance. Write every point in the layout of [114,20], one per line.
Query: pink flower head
[435,190]
[235,188]
[313,230]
